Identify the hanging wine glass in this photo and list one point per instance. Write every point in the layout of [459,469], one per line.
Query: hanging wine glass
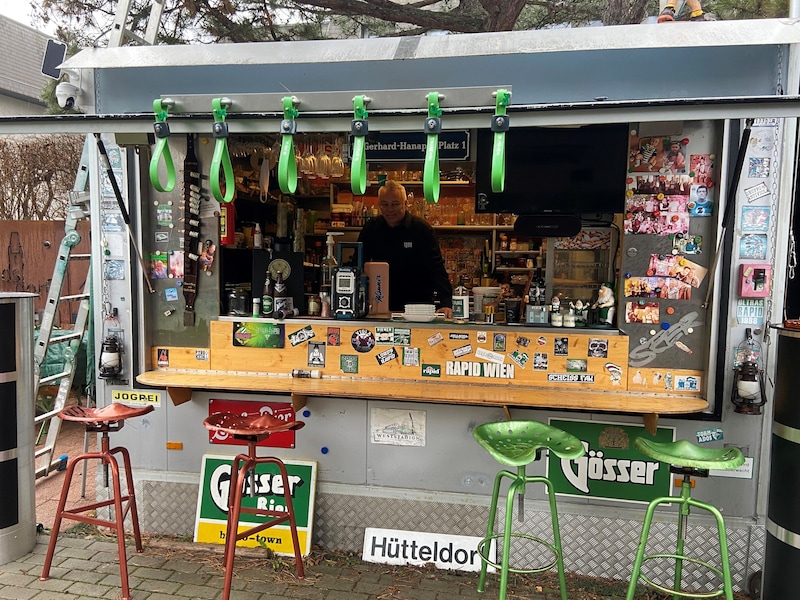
[323,162]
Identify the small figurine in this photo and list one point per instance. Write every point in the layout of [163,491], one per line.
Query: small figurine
[605,304]
[555,304]
[207,256]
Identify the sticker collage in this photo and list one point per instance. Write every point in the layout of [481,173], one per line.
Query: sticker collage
[666,188]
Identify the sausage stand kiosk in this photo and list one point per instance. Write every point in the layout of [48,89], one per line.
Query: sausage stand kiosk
[695,121]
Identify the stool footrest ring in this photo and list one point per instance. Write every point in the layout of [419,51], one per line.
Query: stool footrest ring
[485,542]
[696,561]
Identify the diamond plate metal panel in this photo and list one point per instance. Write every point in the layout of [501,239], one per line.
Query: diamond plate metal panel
[340,520]
[594,545]
[167,508]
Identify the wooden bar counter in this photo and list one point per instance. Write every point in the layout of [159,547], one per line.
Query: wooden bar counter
[494,365]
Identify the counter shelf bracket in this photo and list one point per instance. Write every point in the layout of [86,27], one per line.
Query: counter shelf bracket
[433,127]
[299,401]
[359,130]
[222,157]
[507,412]
[287,167]
[650,422]
[500,125]
[161,127]
[179,395]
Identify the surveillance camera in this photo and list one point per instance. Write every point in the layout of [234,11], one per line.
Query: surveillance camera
[66,93]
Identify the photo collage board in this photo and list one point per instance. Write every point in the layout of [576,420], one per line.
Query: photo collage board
[669,228]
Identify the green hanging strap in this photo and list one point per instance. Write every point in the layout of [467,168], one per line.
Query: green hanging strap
[433,127]
[161,127]
[287,167]
[359,129]
[222,157]
[499,127]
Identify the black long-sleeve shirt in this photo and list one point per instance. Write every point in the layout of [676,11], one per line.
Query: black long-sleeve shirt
[416,266]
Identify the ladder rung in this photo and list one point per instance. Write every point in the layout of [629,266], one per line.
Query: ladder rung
[65,338]
[56,377]
[81,256]
[74,297]
[46,416]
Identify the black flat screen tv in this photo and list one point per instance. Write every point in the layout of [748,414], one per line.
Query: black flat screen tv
[571,170]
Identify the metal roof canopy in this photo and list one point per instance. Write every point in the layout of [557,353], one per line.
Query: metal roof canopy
[676,71]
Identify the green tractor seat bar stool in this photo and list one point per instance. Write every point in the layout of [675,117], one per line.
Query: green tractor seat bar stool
[688,460]
[517,444]
[102,420]
[250,430]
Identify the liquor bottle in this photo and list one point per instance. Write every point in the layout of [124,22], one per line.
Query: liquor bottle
[283,302]
[461,302]
[258,238]
[268,298]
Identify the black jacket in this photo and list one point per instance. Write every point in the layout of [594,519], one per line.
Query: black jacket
[416,267]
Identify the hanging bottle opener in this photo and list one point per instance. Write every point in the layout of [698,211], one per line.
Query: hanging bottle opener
[433,127]
[222,157]
[287,167]
[161,127]
[499,127]
[359,130]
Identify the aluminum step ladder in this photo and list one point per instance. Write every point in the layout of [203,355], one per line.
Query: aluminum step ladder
[122,29]
[69,339]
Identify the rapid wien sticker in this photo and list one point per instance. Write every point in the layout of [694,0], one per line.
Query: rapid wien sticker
[463,368]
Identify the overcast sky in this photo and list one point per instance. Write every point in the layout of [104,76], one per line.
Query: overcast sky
[19,10]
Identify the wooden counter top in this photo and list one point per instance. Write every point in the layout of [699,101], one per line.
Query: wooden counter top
[180,383]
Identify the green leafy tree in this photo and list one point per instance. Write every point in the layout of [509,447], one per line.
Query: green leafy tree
[209,21]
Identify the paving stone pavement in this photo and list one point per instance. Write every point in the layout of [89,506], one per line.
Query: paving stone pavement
[85,567]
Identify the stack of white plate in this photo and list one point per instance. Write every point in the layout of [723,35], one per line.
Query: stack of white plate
[420,312]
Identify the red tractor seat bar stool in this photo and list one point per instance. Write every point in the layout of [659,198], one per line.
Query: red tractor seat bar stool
[688,460]
[102,420]
[517,444]
[251,430]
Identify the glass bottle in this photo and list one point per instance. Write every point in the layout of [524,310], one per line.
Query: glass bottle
[268,298]
[283,302]
[461,302]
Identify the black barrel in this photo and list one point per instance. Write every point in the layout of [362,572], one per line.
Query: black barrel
[782,557]
[17,501]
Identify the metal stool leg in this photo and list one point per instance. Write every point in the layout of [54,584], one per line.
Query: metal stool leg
[637,563]
[107,457]
[727,580]
[241,466]
[62,501]
[238,482]
[130,497]
[287,497]
[484,551]
[562,578]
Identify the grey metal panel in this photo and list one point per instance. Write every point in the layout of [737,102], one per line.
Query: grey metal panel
[335,435]
[451,460]
[145,437]
[536,78]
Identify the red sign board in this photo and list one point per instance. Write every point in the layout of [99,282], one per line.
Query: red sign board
[279,410]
